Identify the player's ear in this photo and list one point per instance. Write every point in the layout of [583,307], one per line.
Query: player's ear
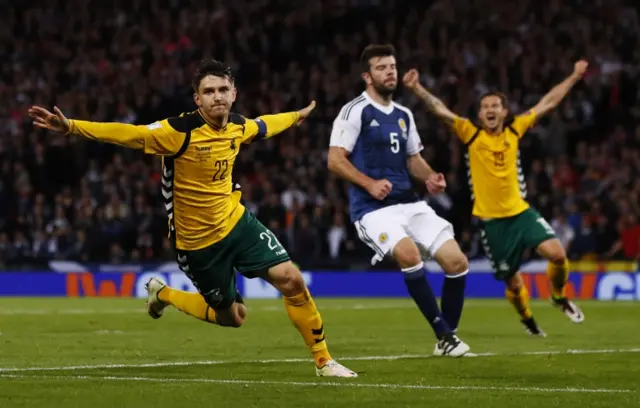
[234,93]
[196,99]
[366,77]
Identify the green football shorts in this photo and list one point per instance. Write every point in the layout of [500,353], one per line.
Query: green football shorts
[249,248]
[505,240]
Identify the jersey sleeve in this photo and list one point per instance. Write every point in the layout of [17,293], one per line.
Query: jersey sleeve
[345,130]
[266,126]
[158,138]
[523,122]
[464,129]
[414,144]
[254,129]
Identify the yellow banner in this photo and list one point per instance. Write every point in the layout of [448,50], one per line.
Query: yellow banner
[604,266]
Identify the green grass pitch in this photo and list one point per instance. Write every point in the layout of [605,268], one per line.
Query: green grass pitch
[95,353]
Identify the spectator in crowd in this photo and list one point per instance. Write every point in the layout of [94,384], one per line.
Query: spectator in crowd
[67,198]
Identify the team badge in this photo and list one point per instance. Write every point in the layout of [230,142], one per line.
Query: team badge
[403,127]
[383,238]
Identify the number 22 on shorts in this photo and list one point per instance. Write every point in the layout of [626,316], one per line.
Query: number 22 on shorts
[272,241]
[546,226]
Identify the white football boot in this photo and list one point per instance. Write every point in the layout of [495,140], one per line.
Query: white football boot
[451,346]
[155,307]
[334,369]
[570,309]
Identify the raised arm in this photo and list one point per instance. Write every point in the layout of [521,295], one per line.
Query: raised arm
[553,98]
[162,138]
[433,104]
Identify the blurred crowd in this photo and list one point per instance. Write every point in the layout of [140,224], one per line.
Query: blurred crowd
[130,61]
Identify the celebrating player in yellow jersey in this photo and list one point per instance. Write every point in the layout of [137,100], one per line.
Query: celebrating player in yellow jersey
[212,232]
[509,224]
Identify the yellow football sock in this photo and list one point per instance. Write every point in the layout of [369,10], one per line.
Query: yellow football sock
[304,314]
[192,304]
[558,275]
[520,301]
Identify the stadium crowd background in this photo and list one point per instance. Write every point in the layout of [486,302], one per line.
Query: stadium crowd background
[131,61]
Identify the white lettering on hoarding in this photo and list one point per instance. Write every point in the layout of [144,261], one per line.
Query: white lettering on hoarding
[619,286]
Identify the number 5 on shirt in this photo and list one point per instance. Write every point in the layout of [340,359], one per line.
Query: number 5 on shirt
[395,143]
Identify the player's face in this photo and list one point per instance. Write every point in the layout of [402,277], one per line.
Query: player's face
[215,96]
[492,113]
[382,75]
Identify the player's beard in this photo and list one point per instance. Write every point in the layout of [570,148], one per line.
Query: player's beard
[383,90]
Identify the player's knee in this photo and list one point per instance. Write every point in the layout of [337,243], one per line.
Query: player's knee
[233,316]
[241,313]
[557,256]
[407,254]
[235,322]
[456,265]
[515,283]
[553,251]
[287,279]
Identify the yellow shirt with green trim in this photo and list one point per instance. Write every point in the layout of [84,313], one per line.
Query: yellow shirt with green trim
[197,165]
[496,180]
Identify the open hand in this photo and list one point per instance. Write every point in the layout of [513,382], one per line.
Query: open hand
[304,113]
[436,183]
[44,119]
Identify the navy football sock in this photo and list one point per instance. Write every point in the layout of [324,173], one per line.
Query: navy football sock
[453,298]
[416,280]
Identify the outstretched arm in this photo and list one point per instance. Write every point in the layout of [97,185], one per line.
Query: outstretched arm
[433,104]
[553,98]
[266,126]
[159,138]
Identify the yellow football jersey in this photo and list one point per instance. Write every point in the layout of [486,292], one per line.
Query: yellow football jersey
[198,161]
[497,183]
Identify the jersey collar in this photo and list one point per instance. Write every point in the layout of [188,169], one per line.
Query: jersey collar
[387,109]
[211,125]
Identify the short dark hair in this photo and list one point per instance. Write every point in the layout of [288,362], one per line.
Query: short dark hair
[209,66]
[374,51]
[503,98]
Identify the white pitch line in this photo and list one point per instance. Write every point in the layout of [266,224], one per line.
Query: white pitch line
[37,312]
[470,303]
[305,360]
[326,384]
[106,311]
